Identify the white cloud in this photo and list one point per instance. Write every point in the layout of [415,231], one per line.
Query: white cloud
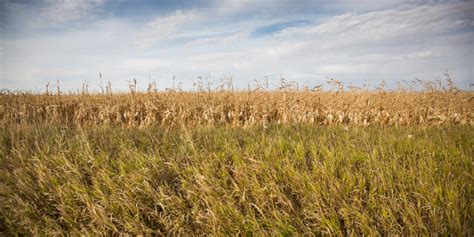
[166,27]
[378,44]
[67,10]
[344,68]
[46,14]
[218,40]
[391,43]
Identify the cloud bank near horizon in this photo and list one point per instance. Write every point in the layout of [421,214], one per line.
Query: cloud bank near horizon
[306,41]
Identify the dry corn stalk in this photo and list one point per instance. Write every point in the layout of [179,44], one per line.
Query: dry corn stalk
[357,108]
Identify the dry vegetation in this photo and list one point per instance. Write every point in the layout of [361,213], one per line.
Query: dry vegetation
[240,109]
[416,103]
[280,180]
[287,162]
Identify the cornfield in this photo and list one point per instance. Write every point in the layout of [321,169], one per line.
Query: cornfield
[240,109]
[257,162]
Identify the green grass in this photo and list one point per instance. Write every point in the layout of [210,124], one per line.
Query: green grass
[280,180]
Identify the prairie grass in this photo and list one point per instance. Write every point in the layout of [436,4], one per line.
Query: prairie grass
[287,179]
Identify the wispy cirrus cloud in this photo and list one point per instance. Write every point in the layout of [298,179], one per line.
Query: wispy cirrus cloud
[67,10]
[166,27]
[46,14]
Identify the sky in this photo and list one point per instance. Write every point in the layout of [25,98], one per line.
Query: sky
[307,41]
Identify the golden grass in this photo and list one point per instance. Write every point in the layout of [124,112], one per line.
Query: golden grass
[280,180]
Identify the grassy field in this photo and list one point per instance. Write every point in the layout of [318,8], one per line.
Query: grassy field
[282,179]
[228,163]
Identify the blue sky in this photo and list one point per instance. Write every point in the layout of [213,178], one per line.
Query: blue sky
[306,41]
